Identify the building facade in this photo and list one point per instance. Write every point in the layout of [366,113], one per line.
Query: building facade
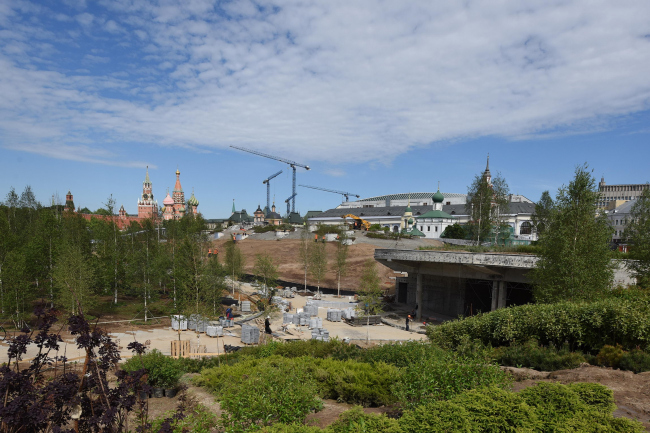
[610,193]
[147,206]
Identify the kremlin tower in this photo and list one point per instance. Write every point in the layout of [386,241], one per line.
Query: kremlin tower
[179,197]
[147,207]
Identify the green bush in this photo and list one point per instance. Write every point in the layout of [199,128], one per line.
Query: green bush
[356,421]
[347,381]
[290,428]
[610,356]
[439,416]
[162,371]
[274,392]
[197,420]
[596,396]
[635,360]
[582,325]
[496,410]
[441,375]
[532,355]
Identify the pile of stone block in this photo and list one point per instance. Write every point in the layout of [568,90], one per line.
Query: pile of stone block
[250,334]
[310,309]
[320,334]
[349,313]
[246,306]
[179,323]
[226,323]
[214,329]
[300,319]
[315,323]
[334,315]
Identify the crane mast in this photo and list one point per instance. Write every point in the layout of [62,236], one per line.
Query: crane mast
[292,164]
[268,189]
[293,197]
[343,193]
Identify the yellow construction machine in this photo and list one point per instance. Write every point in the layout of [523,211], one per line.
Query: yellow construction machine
[358,222]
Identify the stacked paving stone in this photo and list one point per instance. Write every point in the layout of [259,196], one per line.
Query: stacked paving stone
[214,329]
[191,322]
[179,323]
[349,313]
[312,310]
[246,306]
[320,334]
[315,323]
[201,324]
[250,334]
[334,315]
[226,323]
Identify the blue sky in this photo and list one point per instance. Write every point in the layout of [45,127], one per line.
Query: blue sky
[376,96]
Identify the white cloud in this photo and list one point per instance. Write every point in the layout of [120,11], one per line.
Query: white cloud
[369,80]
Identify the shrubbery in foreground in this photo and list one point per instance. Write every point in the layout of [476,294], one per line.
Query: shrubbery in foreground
[580,407]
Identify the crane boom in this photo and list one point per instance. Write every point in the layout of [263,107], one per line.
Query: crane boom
[268,189]
[292,164]
[343,193]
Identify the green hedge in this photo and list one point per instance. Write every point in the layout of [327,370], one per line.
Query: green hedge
[582,325]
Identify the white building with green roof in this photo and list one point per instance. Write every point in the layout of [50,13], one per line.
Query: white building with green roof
[434,222]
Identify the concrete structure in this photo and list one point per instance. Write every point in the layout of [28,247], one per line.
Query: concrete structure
[403,199]
[459,283]
[609,193]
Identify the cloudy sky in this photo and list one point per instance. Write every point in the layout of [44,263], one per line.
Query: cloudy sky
[376,96]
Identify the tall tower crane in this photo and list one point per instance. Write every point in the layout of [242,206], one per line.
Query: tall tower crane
[293,197]
[343,193]
[268,189]
[292,164]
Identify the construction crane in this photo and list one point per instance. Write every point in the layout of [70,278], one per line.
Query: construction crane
[343,193]
[268,190]
[293,197]
[292,164]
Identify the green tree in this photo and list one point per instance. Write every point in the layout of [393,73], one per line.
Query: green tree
[214,279]
[637,235]
[487,203]
[304,252]
[266,269]
[234,262]
[542,214]
[340,265]
[370,293]
[318,263]
[192,256]
[73,277]
[17,290]
[454,231]
[574,255]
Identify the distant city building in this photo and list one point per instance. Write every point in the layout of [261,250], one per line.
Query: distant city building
[620,193]
[618,219]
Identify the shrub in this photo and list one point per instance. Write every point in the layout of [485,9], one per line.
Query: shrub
[596,396]
[440,375]
[495,410]
[586,325]
[532,355]
[290,428]
[274,392]
[196,420]
[610,356]
[443,416]
[162,371]
[356,421]
[635,360]
[568,408]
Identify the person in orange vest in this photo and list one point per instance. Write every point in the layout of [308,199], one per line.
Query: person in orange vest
[315,238]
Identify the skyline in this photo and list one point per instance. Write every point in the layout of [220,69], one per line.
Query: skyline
[376,97]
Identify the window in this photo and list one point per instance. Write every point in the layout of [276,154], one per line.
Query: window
[525,228]
[436,228]
[428,228]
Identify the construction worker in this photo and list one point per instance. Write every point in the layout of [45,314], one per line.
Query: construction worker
[267,325]
[408,320]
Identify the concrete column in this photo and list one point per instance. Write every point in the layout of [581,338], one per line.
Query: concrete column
[502,294]
[418,296]
[495,295]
